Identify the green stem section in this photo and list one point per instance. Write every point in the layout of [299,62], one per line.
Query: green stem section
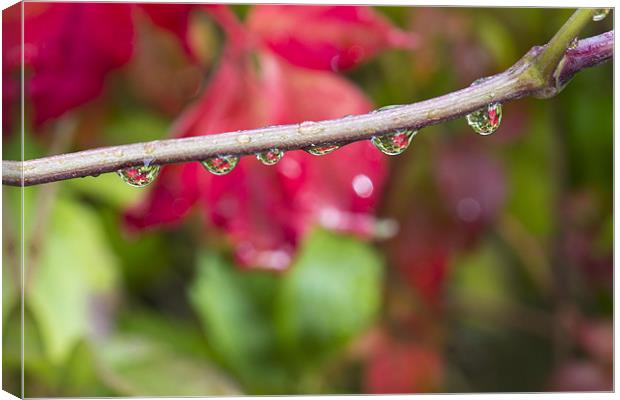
[547,61]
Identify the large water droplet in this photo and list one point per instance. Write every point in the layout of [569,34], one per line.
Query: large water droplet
[394,143]
[139,176]
[220,165]
[321,150]
[486,120]
[270,157]
[600,14]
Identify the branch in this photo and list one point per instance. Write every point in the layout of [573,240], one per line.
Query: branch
[541,72]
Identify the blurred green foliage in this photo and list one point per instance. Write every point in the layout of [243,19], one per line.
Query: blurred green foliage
[168,312]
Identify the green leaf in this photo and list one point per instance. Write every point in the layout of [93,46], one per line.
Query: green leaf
[75,266]
[11,248]
[107,188]
[330,295]
[175,334]
[481,275]
[529,164]
[133,365]
[80,376]
[237,331]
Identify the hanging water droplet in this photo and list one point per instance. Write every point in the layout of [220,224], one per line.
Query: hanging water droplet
[270,157]
[139,176]
[321,150]
[394,143]
[486,120]
[220,165]
[600,14]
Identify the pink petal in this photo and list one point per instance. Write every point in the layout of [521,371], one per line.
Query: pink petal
[330,38]
[72,48]
[265,211]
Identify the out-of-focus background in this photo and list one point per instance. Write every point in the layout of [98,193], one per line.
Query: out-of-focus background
[467,264]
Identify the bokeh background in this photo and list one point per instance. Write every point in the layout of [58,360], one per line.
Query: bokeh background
[467,264]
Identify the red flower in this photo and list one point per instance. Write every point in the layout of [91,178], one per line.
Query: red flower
[69,49]
[327,38]
[265,210]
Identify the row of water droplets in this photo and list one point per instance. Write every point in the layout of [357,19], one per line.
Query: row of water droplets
[484,121]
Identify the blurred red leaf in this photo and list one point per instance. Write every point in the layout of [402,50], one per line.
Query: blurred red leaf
[403,368]
[596,337]
[264,210]
[326,37]
[71,48]
[11,60]
[471,183]
[173,18]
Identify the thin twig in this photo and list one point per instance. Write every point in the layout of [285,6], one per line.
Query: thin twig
[525,78]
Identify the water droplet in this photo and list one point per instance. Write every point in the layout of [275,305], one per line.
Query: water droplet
[310,128]
[139,176]
[486,120]
[600,14]
[244,139]
[270,157]
[220,165]
[395,143]
[321,150]
[385,108]
[573,44]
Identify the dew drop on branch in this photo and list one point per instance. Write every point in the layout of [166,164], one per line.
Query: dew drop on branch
[139,176]
[600,14]
[244,139]
[486,120]
[573,44]
[385,108]
[270,157]
[220,165]
[321,150]
[394,143]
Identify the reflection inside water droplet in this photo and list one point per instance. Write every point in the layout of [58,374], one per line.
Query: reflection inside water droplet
[394,143]
[139,176]
[486,120]
[270,157]
[321,150]
[220,165]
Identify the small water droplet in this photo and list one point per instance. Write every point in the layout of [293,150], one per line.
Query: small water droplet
[385,108]
[321,150]
[573,44]
[394,143]
[220,165]
[486,120]
[139,176]
[600,14]
[310,128]
[149,148]
[244,139]
[270,157]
